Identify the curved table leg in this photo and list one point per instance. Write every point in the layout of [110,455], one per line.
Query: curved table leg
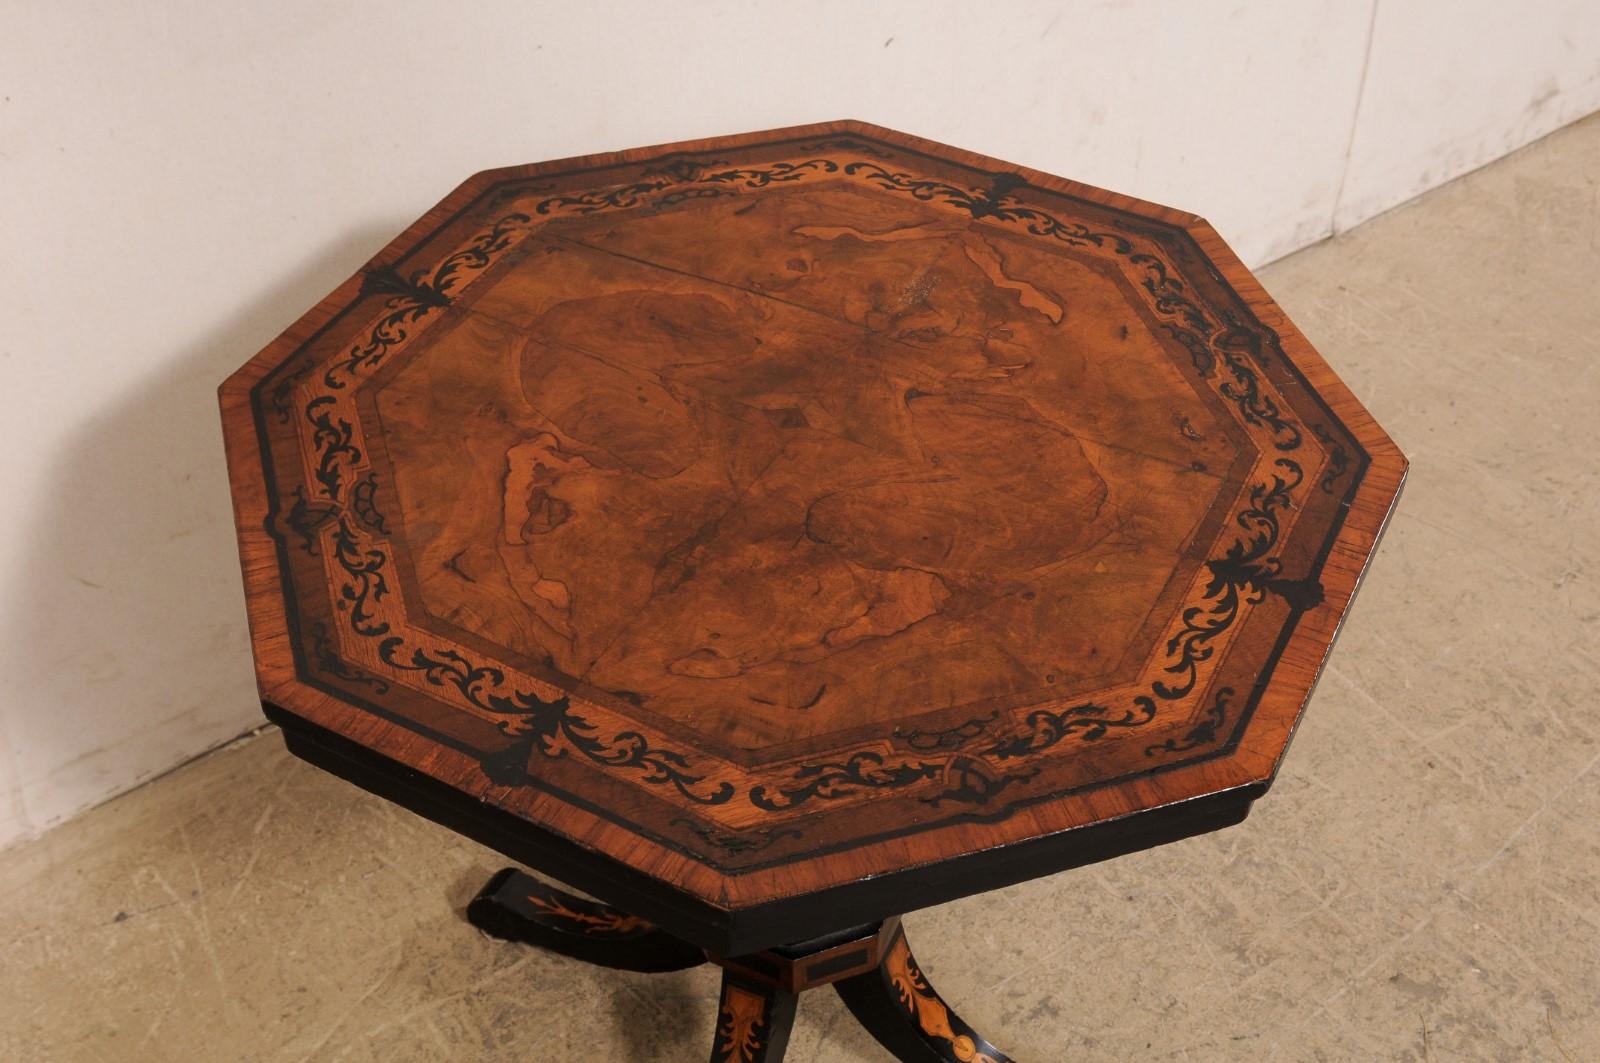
[753,1021]
[898,1007]
[517,907]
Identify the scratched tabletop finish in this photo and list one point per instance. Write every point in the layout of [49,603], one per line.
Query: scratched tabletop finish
[756,516]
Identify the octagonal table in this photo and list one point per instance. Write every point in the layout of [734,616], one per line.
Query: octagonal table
[773,534]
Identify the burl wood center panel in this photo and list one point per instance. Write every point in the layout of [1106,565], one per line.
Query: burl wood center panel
[778,511]
[839,466]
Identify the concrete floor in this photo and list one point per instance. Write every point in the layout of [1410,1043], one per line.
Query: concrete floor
[1422,884]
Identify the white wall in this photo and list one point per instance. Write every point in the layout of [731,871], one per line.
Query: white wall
[1454,84]
[179,181]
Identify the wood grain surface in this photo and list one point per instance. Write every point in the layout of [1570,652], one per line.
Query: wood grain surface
[759,518]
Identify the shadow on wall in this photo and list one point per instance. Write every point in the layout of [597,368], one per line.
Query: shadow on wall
[127,616]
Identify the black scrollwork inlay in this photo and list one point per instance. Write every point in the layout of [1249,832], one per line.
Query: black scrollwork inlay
[413,298]
[773,174]
[862,771]
[332,440]
[1245,574]
[1338,459]
[1240,346]
[367,585]
[283,390]
[950,737]
[364,504]
[1189,325]
[969,781]
[548,727]
[694,192]
[682,168]
[306,518]
[329,661]
[410,300]
[1202,733]
[476,255]
[995,201]
[389,330]
[1088,722]
[588,202]
[386,280]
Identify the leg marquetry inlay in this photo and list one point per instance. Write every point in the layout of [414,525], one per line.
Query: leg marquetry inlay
[753,1022]
[518,907]
[900,1008]
[871,967]
[590,920]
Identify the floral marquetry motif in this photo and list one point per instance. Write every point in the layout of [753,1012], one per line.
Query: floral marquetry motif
[929,1014]
[803,507]
[742,1026]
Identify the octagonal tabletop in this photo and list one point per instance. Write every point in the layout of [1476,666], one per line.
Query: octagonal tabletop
[781,531]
